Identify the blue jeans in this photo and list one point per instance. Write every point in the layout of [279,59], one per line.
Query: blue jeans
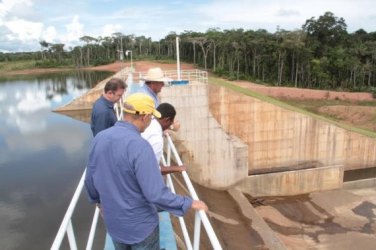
[150,243]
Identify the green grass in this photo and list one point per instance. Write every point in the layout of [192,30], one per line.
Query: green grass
[12,66]
[307,107]
[16,65]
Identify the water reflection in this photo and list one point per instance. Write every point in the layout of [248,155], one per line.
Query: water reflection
[42,155]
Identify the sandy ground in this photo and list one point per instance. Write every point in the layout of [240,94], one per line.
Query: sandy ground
[300,94]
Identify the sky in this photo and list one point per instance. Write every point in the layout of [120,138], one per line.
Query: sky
[24,23]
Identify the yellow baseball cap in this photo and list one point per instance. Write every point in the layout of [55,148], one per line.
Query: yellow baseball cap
[140,104]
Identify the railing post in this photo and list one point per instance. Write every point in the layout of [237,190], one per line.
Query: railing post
[196,239]
[71,238]
[205,221]
[68,215]
[93,228]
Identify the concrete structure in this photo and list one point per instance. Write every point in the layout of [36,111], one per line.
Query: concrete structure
[215,158]
[229,139]
[263,149]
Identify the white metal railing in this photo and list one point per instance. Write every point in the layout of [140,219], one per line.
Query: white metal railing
[66,226]
[193,76]
[200,215]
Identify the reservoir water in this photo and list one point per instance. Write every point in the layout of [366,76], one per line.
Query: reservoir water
[42,156]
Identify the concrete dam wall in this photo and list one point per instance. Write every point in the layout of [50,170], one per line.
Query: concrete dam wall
[230,139]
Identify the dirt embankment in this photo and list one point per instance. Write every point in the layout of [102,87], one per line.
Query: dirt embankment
[353,108]
[304,94]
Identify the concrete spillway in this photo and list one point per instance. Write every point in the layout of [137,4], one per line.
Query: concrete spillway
[261,148]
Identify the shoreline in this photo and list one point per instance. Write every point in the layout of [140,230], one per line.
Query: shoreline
[112,67]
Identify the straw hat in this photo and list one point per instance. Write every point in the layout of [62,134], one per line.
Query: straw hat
[155,75]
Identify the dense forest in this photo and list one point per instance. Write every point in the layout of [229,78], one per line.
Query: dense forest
[322,54]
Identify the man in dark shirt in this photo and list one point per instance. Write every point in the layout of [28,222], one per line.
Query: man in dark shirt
[103,115]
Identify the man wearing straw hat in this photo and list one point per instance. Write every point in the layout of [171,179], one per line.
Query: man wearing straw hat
[123,177]
[155,79]
[154,82]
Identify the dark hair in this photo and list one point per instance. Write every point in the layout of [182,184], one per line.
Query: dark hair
[167,110]
[114,84]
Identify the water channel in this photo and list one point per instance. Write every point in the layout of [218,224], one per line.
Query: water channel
[42,155]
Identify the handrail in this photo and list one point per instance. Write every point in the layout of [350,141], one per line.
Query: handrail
[200,215]
[66,225]
[194,75]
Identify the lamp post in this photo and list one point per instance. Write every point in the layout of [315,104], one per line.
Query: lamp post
[127,52]
[178,58]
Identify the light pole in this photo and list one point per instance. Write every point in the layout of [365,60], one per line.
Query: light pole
[178,57]
[129,52]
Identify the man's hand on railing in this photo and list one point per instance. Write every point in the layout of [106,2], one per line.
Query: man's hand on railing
[175,126]
[199,205]
[172,169]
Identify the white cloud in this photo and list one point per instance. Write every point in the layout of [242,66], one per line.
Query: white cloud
[66,21]
[57,99]
[109,29]
[28,114]
[75,30]
[7,6]
[27,124]
[49,34]
[70,142]
[288,14]
[32,102]
[23,30]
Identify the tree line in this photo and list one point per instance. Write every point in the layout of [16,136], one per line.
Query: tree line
[322,54]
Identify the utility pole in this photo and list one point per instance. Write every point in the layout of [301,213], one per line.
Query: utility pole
[127,52]
[178,58]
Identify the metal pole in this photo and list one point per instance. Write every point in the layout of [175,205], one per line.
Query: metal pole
[68,215]
[178,58]
[205,221]
[130,52]
[131,62]
[90,240]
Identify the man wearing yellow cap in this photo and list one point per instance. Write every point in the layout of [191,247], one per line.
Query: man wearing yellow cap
[123,177]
